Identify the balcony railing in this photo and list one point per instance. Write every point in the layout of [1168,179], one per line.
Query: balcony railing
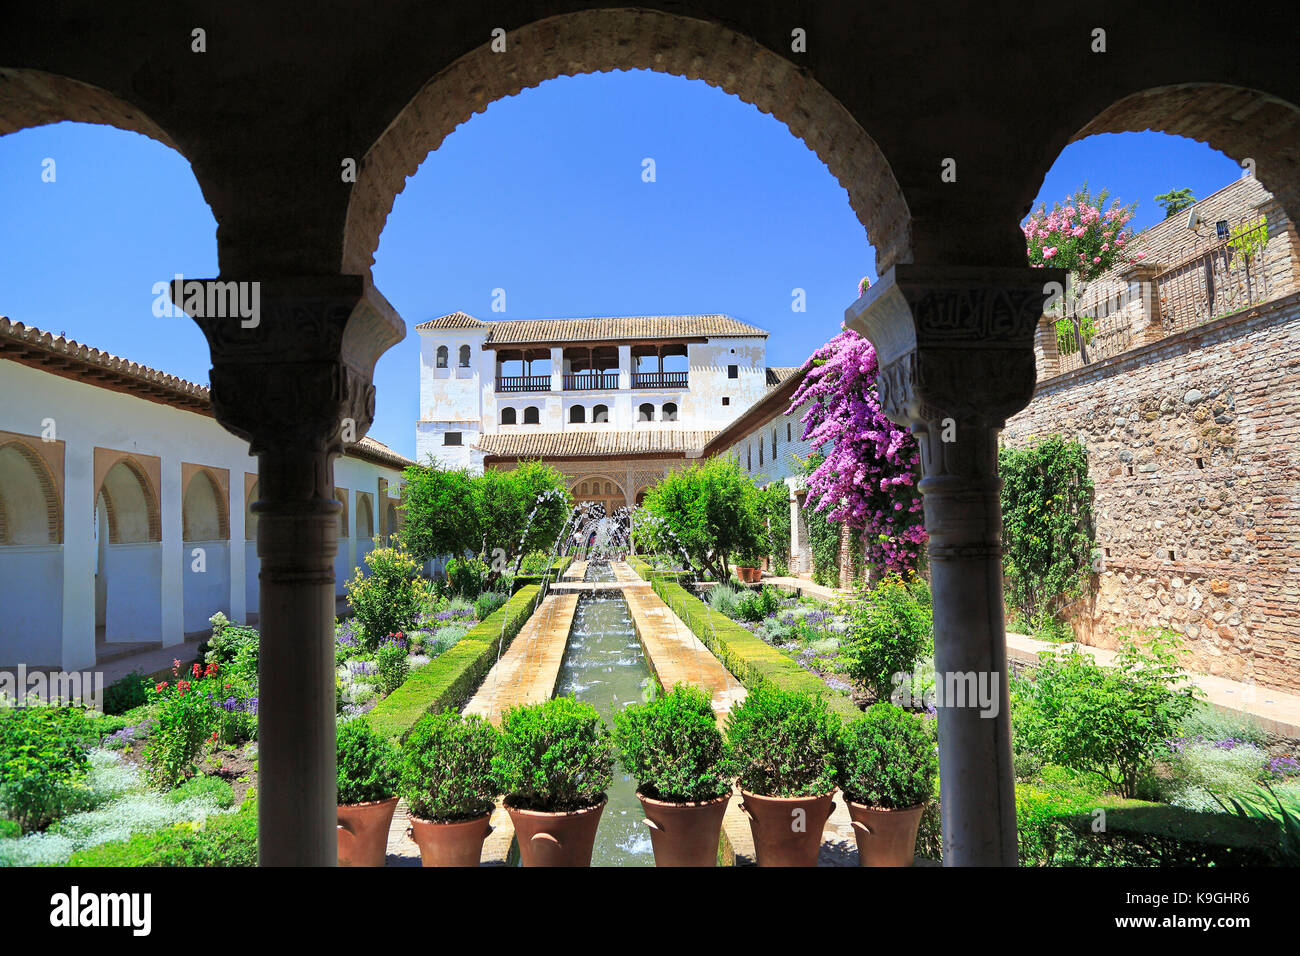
[523,383]
[658,379]
[581,381]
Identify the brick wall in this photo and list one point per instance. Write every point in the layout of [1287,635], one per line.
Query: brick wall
[1192,447]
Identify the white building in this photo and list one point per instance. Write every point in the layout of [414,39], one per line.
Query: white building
[603,390]
[125,517]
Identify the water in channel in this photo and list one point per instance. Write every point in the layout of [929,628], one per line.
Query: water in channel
[605,667]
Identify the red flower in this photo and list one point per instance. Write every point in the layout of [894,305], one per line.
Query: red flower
[183,686]
[161,687]
[195,670]
[214,736]
[211,670]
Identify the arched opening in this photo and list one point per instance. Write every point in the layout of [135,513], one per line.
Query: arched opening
[203,510]
[365,529]
[670,412]
[612,40]
[532,416]
[31,558]
[128,577]
[464,356]
[206,557]
[508,416]
[442,356]
[600,415]
[577,414]
[646,412]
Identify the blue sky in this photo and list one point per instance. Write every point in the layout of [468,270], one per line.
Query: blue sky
[541,195]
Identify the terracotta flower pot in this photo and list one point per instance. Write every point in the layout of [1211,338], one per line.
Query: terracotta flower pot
[783,836]
[556,839]
[749,575]
[363,832]
[450,844]
[685,834]
[885,837]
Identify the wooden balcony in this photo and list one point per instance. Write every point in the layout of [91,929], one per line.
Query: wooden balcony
[524,383]
[586,381]
[659,379]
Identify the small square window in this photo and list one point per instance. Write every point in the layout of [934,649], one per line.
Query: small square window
[726,400]
[733,371]
[451,438]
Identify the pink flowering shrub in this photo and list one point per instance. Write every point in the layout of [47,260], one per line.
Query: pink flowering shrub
[1081,235]
[868,476]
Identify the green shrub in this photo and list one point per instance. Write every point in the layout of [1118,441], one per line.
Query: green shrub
[392,663]
[890,630]
[221,840]
[445,772]
[126,693]
[467,577]
[214,788]
[722,598]
[1110,720]
[535,562]
[889,759]
[554,756]
[672,747]
[367,763]
[9,830]
[1280,805]
[488,602]
[43,763]
[1199,769]
[786,744]
[753,606]
[228,641]
[388,600]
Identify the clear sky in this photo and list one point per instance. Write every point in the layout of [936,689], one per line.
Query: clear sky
[541,195]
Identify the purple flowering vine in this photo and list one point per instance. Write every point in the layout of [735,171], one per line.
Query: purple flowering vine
[868,476]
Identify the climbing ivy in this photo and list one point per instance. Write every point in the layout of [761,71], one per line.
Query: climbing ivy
[1047,525]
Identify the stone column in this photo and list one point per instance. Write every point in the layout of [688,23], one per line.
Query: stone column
[1142,305]
[79,553]
[1047,353]
[292,380]
[175,551]
[955,347]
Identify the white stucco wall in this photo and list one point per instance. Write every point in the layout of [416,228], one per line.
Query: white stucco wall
[151,593]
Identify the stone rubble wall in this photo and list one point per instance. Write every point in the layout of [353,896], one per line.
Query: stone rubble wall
[1192,443]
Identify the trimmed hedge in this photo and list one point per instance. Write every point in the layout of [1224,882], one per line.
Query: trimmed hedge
[747,656]
[557,569]
[1057,829]
[228,839]
[450,679]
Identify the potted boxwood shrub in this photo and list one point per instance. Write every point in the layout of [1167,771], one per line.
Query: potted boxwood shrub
[445,775]
[888,767]
[673,748]
[786,746]
[555,762]
[367,781]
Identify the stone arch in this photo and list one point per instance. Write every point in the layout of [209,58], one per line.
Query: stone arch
[365,516]
[130,503]
[1240,122]
[250,516]
[602,41]
[205,513]
[30,510]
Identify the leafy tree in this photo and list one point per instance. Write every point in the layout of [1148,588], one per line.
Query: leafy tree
[890,630]
[390,598]
[774,507]
[868,467]
[714,511]
[1047,525]
[1175,201]
[440,518]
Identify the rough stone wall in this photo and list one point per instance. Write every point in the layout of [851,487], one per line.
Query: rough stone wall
[1192,448]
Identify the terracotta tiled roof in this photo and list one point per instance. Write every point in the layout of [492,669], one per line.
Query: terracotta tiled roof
[775,376]
[610,328]
[456,320]
[594,443]
[70,359]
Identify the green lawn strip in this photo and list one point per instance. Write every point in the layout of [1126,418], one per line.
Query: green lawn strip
[745,655]
[557,569]
[450,679]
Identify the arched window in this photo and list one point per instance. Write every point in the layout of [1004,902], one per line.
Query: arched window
[464,356]
[507,416]
[202,511]
[531,415]
[578,414]
[670,411]
[600,414]
[442,356]
[646,413]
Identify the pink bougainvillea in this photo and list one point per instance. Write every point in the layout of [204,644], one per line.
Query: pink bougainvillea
[1080,235]
[867,478]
